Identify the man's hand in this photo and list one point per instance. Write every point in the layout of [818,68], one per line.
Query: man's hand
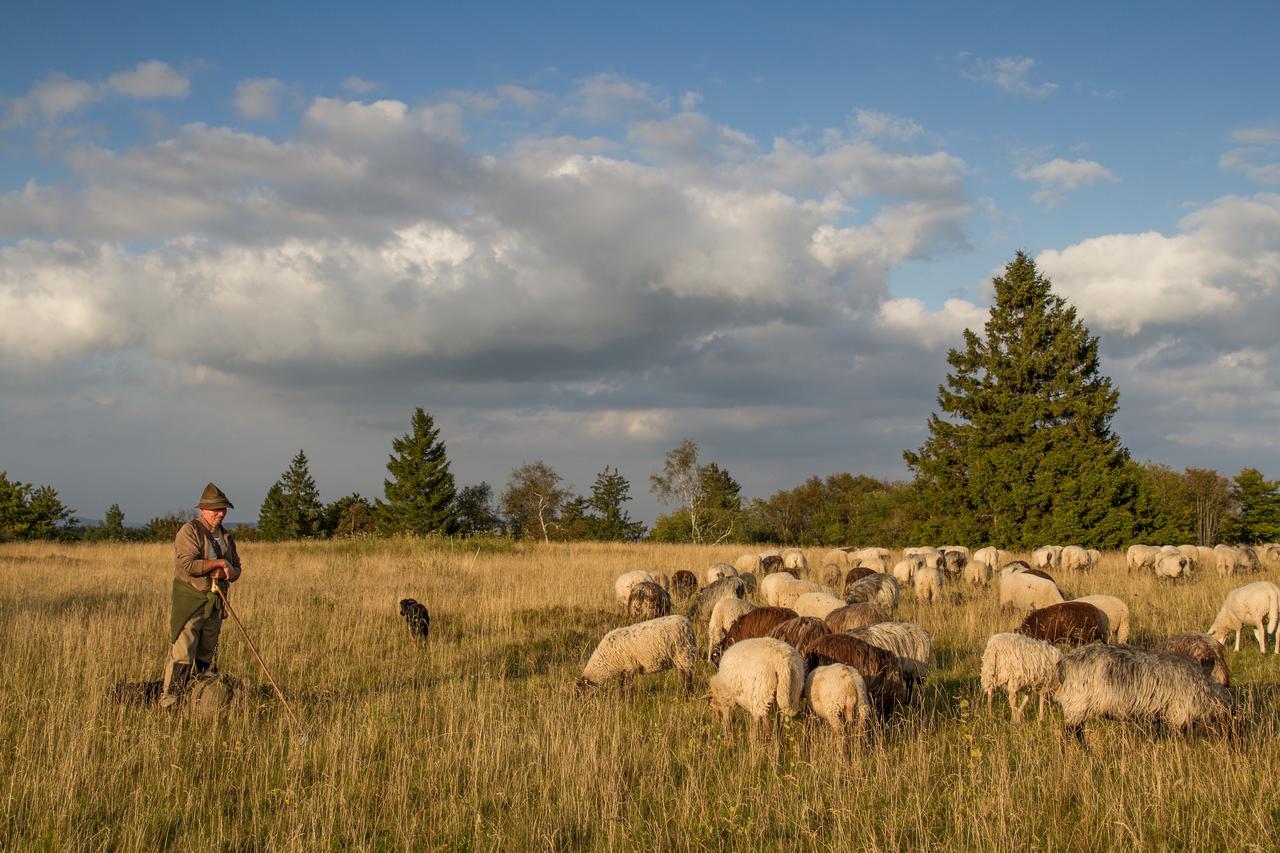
[219,570]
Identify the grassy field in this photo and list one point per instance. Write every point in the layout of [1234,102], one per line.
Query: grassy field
[476,740]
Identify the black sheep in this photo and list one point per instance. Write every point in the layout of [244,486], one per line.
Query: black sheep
[416,616]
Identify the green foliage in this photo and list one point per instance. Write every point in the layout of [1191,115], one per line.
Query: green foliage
[112,528]
[1257,502]
[420,493]
[672,528]
[348,517]
[608,520]
[292,508]
[534,501]
[33,512]
[843,508]
[1023,453]
[164,528]
[476,513]
[707,497]
[1164,511]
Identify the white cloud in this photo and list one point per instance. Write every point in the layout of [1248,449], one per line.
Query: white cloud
[877,125]
[1009,74]
[358,85]
[1057,177]
[258,97]
[915,324]
[611,97]
[1256,136]
[150,80]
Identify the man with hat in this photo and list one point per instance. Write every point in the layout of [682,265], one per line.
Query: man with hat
[204,555]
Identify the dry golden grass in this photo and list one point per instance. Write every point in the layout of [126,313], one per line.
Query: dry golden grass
[475,739]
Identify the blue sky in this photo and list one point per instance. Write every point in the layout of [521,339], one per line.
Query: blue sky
[581,236]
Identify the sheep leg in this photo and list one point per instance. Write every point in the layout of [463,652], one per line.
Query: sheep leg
[1040,715]
[989,710]
[1238,639]
[1076,729]
[1013,704]
[688,683]
[1262,644]
[726,721]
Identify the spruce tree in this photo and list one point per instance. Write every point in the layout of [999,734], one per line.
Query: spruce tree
[112,528]
[1023,453]
[292,509]
[420,493]
[275,522]
[1257,503]
[609,521]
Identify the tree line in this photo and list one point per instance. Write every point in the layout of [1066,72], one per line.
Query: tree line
[1020,453]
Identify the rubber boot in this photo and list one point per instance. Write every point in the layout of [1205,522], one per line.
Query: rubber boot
[177,686]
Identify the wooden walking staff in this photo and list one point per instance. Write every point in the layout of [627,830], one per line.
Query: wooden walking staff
[261,662]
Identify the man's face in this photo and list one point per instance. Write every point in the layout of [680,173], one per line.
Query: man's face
[213,517]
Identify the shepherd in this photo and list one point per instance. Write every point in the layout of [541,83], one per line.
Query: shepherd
[204,555]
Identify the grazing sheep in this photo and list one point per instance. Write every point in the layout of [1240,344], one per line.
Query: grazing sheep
[793,558]
[755,623]
[648,601]
[1270,555]
[622,586]
[961,549]
[1226,560]
[977,573]
[831,575]
[856,574]
[928,584]
[880,589]
[880,669]
[817,604]
[1024,592]
[781,590]
[684,583]
[800,631]
[642,648]
[1038,573]
[1141,557]
[748,563]
[1012,662]
[1204,650]
[1253,604]
[416,616]
[1095,556]
[837,695]
[662,580]
[1172,566]
[1127,683]
[1205,558]
[953,562]
[992,556]
[723,615]
[1192,553]
[720,571]
[875,564]
[1017,566]
[1075,558]
[837,557]
[909,641]
[749,581]
[1117,615]
[723,588]
[1248,561]
[757,675]
[1071,622]
[853,616]
[865,554]
[1047,557]
[771,561]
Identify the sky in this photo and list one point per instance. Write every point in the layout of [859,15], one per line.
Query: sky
[582,234]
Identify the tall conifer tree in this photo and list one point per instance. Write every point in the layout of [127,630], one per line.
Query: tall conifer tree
[1023,453]
[292,508]
[420,493]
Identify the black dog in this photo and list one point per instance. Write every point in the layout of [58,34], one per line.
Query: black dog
[416,616]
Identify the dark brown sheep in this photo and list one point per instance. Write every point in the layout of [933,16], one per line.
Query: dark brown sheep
[1072,622]
[854,616]
[684,583]
[748,626]
[880,669]
[1204,650]
[856,574]
[770,563]
[648,601]
[798,632]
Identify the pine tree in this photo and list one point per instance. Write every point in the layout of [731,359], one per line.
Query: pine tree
[292,509]
[275,522]
[112,528]
[1023,453]
[1257,517]
[608,520]
[420,493]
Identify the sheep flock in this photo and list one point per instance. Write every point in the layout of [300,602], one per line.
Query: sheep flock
[778,635]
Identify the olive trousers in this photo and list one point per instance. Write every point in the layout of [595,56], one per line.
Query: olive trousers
[192,653]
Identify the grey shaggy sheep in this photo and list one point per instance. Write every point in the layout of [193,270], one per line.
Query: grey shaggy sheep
[648,601]
[856,574]
[882,671]
[878,589]
[748,626]
[1127,683]
[798,632]
[1204,650]
[1072,622]
[723,588]
[641,648]
[910,642]
[853,616]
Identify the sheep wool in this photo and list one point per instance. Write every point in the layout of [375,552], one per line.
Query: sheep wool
[1204,650]
[781,589]
[723,615]
[720,571]
[1024,592]
[853,616]
[644,647]
[817,604]
[710,595]
[648,601]
[793,558]
[837,695]
[877,589]
[977,573]
[758,675]
[1013,663]
[1117,613]
[1127,683]
[928,584]
[912,643]
[1255,604]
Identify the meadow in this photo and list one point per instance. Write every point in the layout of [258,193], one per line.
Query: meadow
[476,740]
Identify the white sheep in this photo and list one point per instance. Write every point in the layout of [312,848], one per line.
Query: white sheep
[1226,560]
[977,573]
[757,675]
[928,584]
[1026,592]
[720,571]
[1047,557]
[623,585]
[968,555]
[910,642]
[905,569]
[644,647]
[794,558]
[1173,566]
[1075,558]
[723,615]
[875,564]
[992,556]
[1014,662]
[1128,683]
[1117,613]
[1141,557]
[748,563]
[871,554]
[817,604]
[1206,558]
[1253,604]
[837,557]
[838,696]
[781,590]
[1095,556]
